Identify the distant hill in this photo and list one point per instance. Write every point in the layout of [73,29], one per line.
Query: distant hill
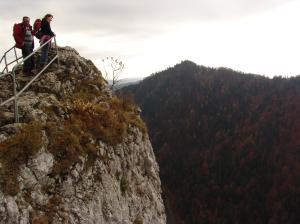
[124,82]
[228,143]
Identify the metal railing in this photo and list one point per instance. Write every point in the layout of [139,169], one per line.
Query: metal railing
[5,59]
[16,94]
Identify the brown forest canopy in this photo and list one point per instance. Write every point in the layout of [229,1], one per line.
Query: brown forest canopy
[228,143]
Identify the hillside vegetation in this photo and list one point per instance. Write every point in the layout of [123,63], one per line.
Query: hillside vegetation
[227,143]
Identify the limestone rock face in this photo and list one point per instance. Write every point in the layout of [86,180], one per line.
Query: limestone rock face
[83,155]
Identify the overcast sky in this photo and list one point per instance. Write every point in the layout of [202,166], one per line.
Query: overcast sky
[257,36]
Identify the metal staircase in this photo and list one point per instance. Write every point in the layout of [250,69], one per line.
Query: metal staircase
[12,73]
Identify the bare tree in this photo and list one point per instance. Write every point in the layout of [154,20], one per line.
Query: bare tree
[113,68]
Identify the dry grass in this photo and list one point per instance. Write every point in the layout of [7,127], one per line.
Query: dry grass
[16,151]
[87,123]
[52,207]
[45,214]
[40,220]
[107,124]
[138,220]
[108,121]
[89,89]
[65,146]
[124,184]
[76,136]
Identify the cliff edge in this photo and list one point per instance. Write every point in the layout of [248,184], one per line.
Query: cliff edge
[78,155]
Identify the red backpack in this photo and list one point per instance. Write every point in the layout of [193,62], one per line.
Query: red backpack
[18,35]
[37,28]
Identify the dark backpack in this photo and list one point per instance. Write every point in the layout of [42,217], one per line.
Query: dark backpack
[37,28]
[18,34]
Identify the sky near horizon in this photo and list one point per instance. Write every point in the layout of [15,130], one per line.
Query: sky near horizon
[258,36]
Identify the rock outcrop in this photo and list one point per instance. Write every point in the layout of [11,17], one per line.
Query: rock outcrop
[78,155]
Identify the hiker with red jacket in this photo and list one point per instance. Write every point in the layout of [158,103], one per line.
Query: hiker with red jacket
[25,41]
[47,34]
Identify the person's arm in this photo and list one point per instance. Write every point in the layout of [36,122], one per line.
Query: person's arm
[48,29]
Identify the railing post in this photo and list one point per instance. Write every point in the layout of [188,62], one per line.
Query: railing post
[13,75]
[56,51]
[16,55]
[16,98]
[0,64]
[6,67]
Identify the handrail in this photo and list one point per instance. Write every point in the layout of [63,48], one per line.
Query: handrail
[28,84]
[28,56]
[2,59]
[21,57]
[4,74]
[7,73]
[6,67]
[9,49]
[16,95]
[5,59]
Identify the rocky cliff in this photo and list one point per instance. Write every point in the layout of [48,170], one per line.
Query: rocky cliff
[78,155]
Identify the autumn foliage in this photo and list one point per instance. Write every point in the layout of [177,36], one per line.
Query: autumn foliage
[228,143]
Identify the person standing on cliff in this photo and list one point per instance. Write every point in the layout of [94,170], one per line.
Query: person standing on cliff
[47,34]
[23,36]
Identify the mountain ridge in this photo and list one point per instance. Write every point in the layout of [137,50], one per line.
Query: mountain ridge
[224,142]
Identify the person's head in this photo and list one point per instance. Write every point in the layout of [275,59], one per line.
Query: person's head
[26,20]
[48,17]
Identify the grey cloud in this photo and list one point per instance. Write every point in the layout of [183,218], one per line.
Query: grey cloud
[156,10]
[132,17]
[125,22]
[135,15]
[99,55]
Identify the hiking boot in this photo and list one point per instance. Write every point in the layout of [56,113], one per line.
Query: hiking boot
[26,73]
[35,71]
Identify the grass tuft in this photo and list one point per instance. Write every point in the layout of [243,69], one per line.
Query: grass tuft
[16,151]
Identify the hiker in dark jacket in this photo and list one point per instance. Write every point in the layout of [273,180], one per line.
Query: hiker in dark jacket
[24,40]
[47,34]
